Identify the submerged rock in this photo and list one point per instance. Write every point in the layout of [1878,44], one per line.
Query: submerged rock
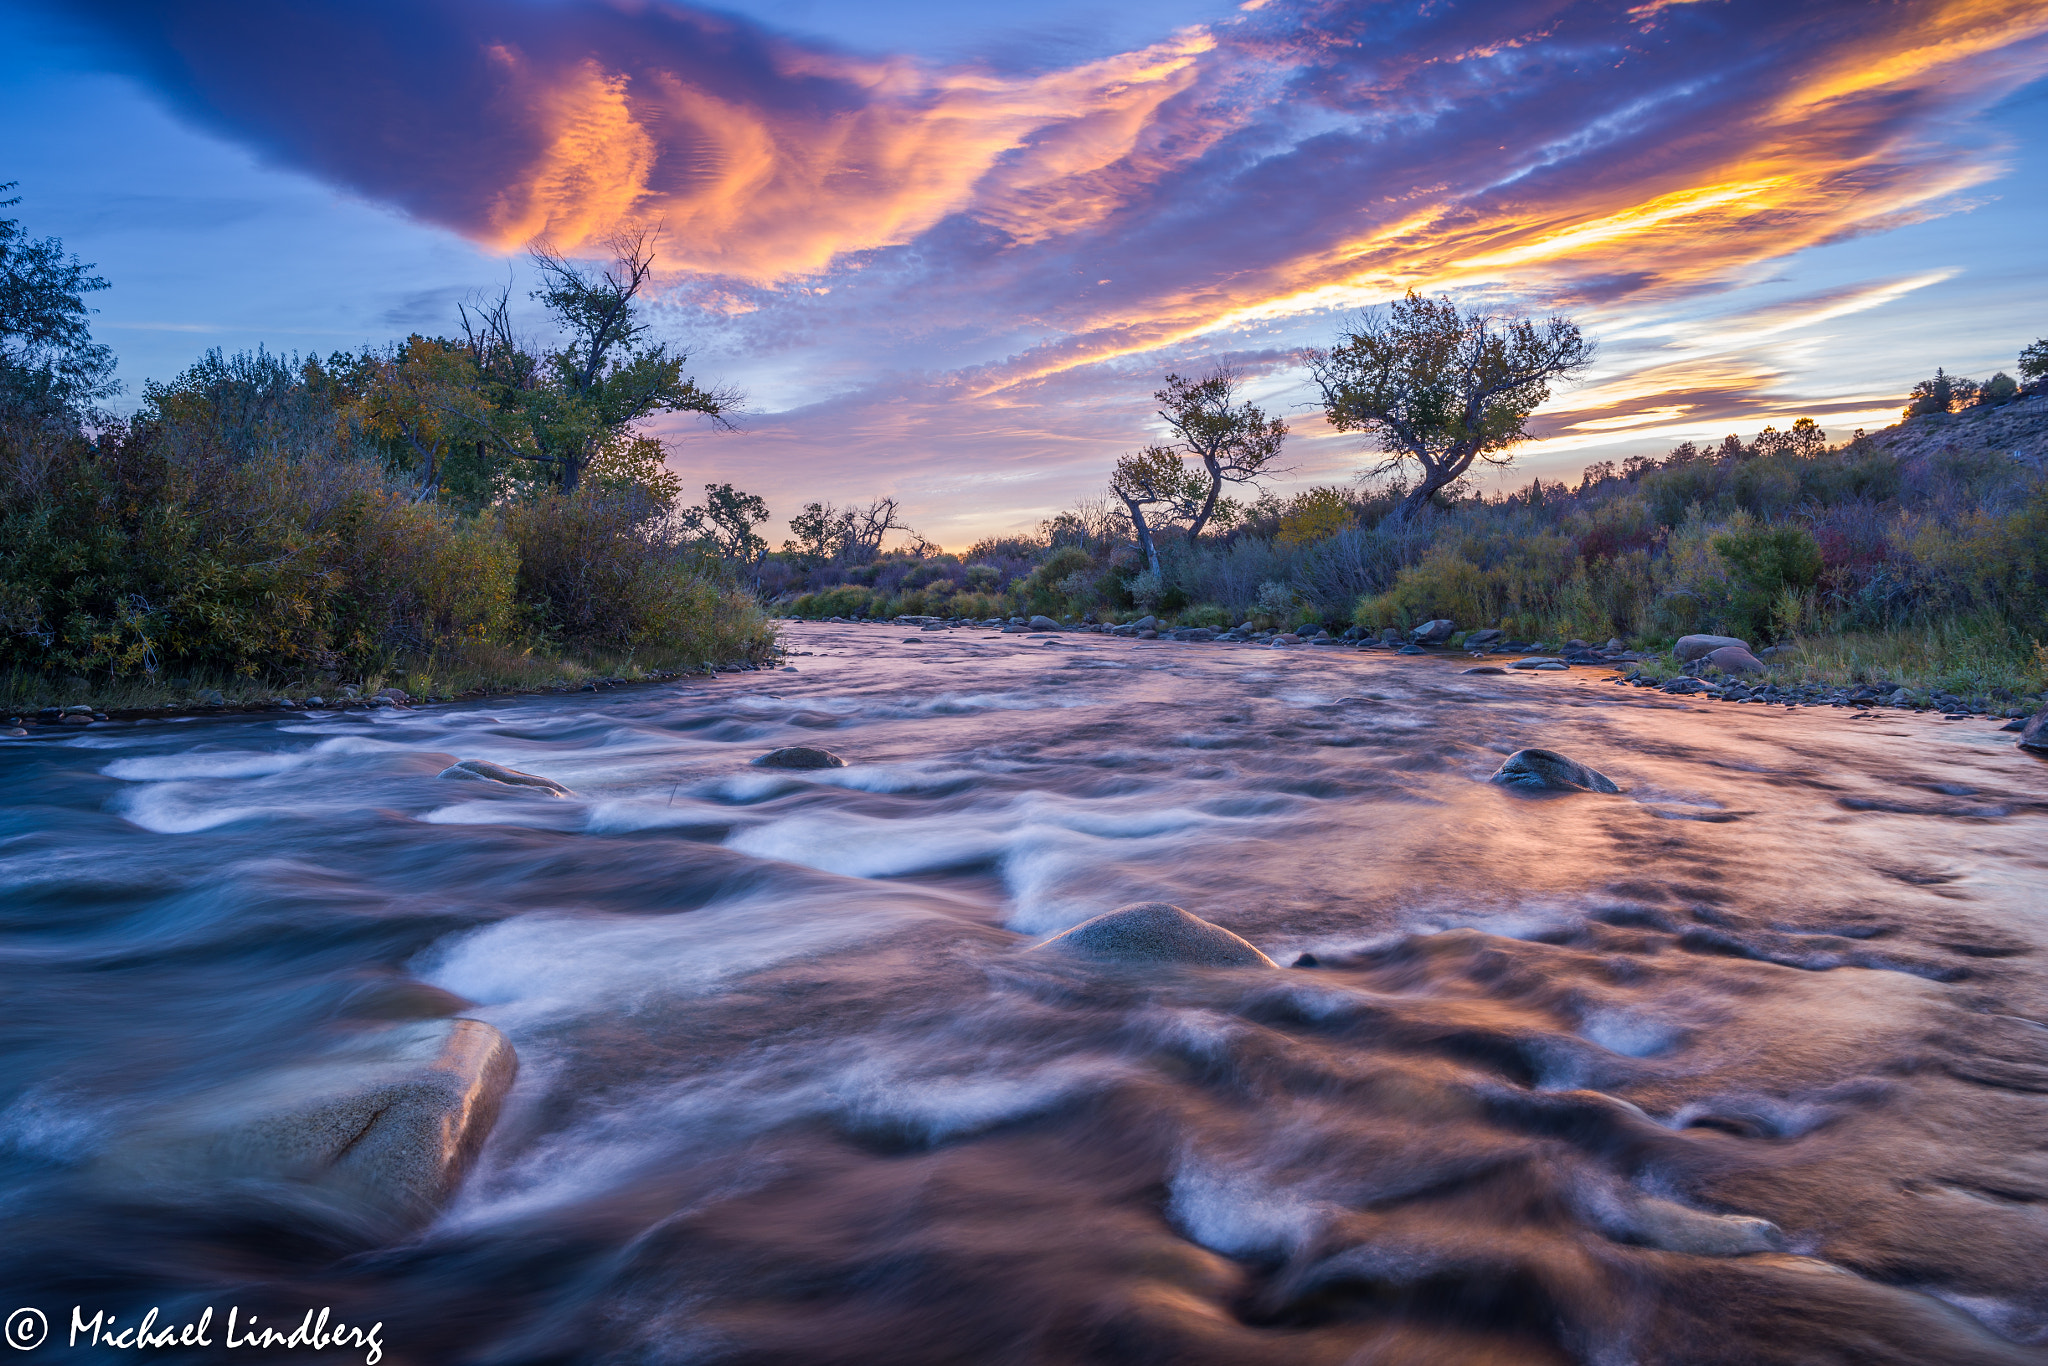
[1672,1227]
[1484,669]
[483,770]
[1155,932]
[1542,770]
[391,1124]
[800,756]
[1690,648]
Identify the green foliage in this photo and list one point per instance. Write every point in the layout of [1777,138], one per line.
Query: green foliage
[1764,563]
[2033,363]
[49,363]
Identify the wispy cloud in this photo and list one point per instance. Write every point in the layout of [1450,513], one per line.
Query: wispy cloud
[966,258]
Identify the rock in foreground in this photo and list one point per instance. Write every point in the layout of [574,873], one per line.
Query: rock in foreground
[2034,735]
[390,1125]
[800,756]
[1543,770]
[483,770]
[1155,932]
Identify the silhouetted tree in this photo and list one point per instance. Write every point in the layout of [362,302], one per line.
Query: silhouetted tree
[1443,388]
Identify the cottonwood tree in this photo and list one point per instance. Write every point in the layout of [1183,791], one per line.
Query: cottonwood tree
[726,519]
[1441,388]
[825,534]
[574,409]
[48,359]
[1157,486]
[1232,440]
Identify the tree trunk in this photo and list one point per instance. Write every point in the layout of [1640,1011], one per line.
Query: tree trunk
[1209,503]
[1144,535]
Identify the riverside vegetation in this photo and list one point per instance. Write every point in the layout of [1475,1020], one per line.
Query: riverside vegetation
[467,513]
[1913,557]
[441,516]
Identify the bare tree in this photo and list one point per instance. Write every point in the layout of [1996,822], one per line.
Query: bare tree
[1442,388]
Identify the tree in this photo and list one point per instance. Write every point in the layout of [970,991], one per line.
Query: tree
[1157,477]
[2033,366]
[574,408]
[48,359]
[727,519]
[1234,440]
[1945,393]
[1442,388]
[824,534]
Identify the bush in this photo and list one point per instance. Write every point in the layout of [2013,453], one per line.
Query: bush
[1765,563]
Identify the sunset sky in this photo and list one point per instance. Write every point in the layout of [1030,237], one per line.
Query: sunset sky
[948,250]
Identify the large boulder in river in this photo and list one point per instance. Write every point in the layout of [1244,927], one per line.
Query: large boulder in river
[1044,624]
[1155,932]
[800,756]
[1690,648]
[387,1125]
[1433,632]
[1734,659]
[1543,770]
[2034,735]
[484,771]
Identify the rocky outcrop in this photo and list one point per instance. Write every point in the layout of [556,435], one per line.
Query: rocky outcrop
[1155,932]
[388,1125]
[484,771]
[800,756]
[1689,648]
[1543,770]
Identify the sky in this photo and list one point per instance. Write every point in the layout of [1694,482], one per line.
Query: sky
[948,251]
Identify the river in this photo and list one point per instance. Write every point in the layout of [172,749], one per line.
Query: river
[1746,1064]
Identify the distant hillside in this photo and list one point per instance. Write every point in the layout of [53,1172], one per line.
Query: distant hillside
[2018,429]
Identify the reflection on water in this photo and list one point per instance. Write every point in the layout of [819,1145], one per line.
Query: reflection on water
[1747,1064]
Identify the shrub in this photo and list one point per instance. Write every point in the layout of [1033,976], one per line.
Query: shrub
[1764,564]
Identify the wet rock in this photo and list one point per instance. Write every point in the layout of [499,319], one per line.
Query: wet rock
[1155,932]
[391,1123]
[1433,632]
[1484,669]
[76,720]
[1490,636]
[2034,734]
[800,756]
[1672,1227]
[1543,770]
[1406,650]
[1146,623]
[1536,661]
[1690,648]
[1308,630]
[396,696]
[1043,624]
[484,771]
[1734,659]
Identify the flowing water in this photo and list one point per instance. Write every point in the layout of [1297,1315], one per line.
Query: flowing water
[791,1089]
